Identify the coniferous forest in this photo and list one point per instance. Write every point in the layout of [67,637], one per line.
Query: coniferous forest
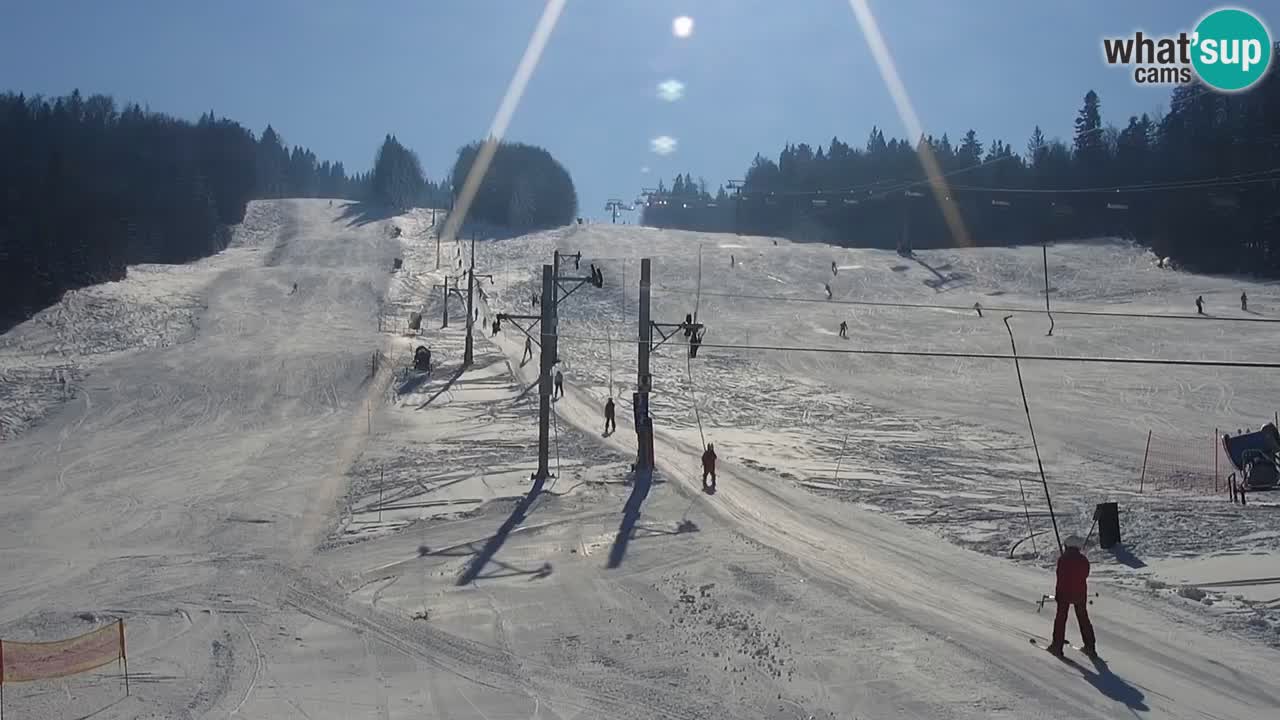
[1200,184]
[523,188]
[87,189]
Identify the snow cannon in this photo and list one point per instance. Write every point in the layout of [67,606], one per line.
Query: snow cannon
[1254,456]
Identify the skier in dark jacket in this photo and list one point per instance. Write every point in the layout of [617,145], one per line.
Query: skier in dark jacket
[559,391]
[709,466]
[1073,590]
[1244,302]
[844,329]
[610,425]
[1200,304]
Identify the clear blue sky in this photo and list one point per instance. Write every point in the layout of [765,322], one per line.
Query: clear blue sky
[337,76]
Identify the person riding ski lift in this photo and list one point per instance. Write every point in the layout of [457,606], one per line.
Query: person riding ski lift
[709,466]
[834,270]
[1200,304]
[978,307]
[559,391]
[695,341]
[610,425]
[1244,301]
[1072,590]
[828,288]
[295,289]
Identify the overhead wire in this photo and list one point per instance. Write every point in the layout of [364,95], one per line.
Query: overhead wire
[1249,364]
[1250,178]
[967,308]
[693,399]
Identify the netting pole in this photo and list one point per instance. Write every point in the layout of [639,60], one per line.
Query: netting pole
[1215,460]
[1,680]
[125,657]
[840,459]
[610,346]
[1142,480]
[698,302]
[1036,446]
[1045,251]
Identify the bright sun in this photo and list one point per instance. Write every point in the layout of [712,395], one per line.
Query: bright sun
[682,26]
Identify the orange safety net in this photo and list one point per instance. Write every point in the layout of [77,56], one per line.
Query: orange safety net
[26,661]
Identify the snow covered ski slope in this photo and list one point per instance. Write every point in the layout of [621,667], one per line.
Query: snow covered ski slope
[293,529]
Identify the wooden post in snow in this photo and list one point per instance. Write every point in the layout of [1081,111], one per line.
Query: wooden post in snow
[1143,479]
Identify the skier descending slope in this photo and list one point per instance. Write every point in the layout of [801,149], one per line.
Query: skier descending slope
[1073,590]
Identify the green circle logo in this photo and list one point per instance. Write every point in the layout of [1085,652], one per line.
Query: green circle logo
[1231,49]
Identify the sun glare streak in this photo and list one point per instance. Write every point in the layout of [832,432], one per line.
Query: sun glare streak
[906,112]
[502,119]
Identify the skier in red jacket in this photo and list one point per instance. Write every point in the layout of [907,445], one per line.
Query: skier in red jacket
[1073,589]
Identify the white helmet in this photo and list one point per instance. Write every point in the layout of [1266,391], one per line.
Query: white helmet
[1073,541]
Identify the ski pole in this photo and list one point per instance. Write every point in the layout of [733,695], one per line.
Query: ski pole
[1091,527]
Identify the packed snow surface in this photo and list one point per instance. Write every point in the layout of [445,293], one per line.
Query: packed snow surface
[293,523]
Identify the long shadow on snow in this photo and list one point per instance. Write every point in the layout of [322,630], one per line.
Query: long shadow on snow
[1125,556]
[363,213]
[627,530]
[413,382]
[444,388]
[509,571]
[955,279]
[495,542]
[1112,685]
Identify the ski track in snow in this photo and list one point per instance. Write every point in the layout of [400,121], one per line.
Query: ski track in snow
[214,429]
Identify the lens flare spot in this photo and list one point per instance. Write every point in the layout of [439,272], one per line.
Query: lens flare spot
[682,27]
[671,90]
[663,145]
